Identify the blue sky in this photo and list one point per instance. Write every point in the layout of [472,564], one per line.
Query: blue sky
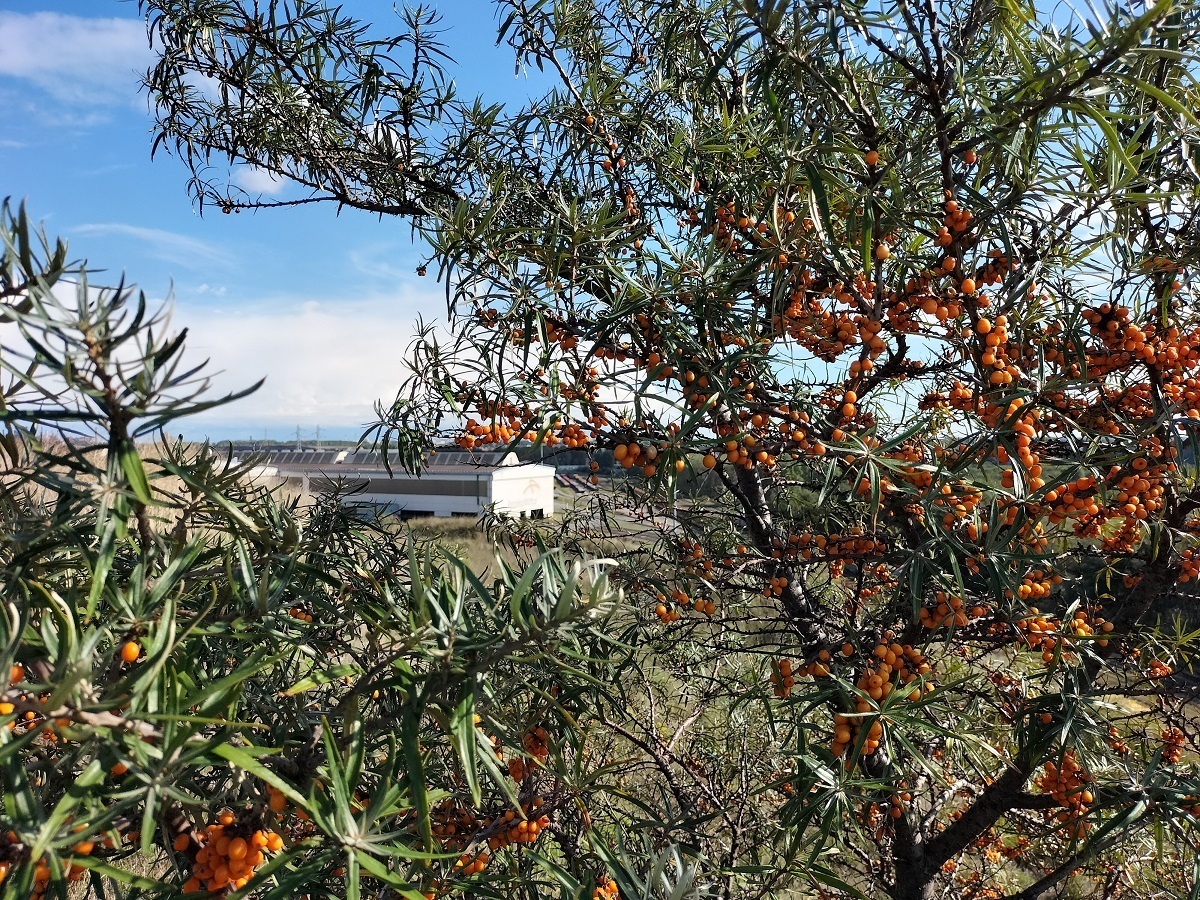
[321,304]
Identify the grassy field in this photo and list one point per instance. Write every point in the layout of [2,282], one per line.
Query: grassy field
[464,537]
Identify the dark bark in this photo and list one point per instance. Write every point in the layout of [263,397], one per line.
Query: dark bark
[1002,795]
[1008,791]
[909,858]
[751,493]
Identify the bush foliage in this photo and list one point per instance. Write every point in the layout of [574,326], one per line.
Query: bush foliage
[884,316]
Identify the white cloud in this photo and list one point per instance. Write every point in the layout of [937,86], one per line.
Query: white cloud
[179,249]
[254,180]
[381,260]
[75,59]
[326,363]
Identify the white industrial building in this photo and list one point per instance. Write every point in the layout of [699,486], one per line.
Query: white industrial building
[453,483]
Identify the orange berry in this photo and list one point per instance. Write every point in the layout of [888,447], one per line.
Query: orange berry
[872,158]
[131,651]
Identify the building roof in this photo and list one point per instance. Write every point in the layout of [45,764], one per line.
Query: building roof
[453,461]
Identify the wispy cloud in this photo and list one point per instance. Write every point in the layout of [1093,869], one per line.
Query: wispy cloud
[254,180]
[326,362]
[169,246]
[76,60]
[381,261]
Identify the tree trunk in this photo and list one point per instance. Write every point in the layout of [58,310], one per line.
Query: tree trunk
[752,495]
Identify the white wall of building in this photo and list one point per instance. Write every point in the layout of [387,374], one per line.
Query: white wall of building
[524,490]
[519,491]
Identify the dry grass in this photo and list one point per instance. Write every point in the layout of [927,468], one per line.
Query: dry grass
[464,538]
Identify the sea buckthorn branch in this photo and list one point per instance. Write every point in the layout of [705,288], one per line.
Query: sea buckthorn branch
[173,697]
[865,386]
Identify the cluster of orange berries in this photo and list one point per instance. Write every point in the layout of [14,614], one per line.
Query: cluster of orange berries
[606,890]
[613,160]
[1024,424]
[1035,585]
[872,817]
[854,544]
[536,744]
[745,453]
[891,667]
[1158,670]
[1173,740]
[1052,637]
[995,847]
[469,865]
[828,334]
[453,824]
[671,609]
[1122,541]
[959,397]
[501,430]
[1072,500]
[456,827]
[995,349]
[460,829]
[227,855]
[899,803]
[634,454]
[12,849]
[957,220]
[1139,492]
[739,233]
[959,504]
[667,613]
[994,271]
[1114,741]
[30,720]
[1192,806]
[776,586]
[924,297]
[784,673]
[783,679]
[1189,562]
[300,614]
[1117,332]
[691,556]
[950,611]
[16,676]
[971,885]
[1067,782]
[522,830]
